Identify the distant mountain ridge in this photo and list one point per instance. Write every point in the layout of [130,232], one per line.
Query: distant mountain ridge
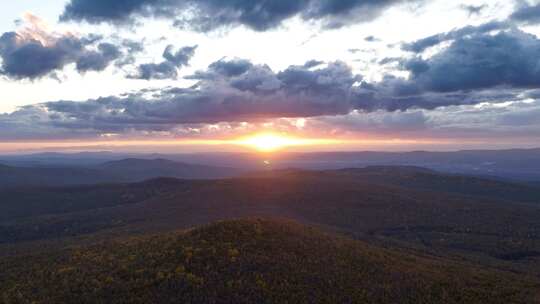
[128,170]
[519,164]
[23,176]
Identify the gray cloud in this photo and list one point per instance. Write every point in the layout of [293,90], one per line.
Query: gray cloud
[231,68]
[32,52]
[371,39]
[100,59]
[474,9]
[132,48]
[502,123]
[223,68]
[33,122]
[237,90]
[498,121]
[508,58]
[379,121]
[168,69]
[493,62]
[424,43]
[28,58]
[207,15]
[527,14]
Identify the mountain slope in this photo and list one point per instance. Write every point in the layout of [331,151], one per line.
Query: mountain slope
[252,261]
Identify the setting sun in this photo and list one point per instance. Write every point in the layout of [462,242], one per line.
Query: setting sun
[270,142]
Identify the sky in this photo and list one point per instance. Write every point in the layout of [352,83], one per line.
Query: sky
[217,75]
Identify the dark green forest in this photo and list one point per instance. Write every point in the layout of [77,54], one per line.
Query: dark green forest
[251,261]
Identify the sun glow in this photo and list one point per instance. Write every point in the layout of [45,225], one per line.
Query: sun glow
[262,142]
[270,142]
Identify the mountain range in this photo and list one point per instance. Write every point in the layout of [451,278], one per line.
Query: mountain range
[518,164]
[380,234]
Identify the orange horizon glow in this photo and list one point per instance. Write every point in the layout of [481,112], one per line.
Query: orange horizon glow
[261,142]
[264,142]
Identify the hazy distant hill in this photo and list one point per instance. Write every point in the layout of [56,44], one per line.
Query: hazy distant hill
[141,169]
[521,164]
[22,176]
[57,159]
[252,261]
[128,170]
[517,163]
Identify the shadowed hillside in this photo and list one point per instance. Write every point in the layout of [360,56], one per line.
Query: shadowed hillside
[251,261]
[24,202]
[425,179]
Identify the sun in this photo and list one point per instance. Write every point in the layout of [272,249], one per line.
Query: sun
[270,142]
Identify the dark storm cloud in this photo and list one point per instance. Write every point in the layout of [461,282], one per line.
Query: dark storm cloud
[163,70]
[338,13]
[231,68]
[168,69]
[207,15]
[527,14]
[257,15]
[421,45]
[508,58]
[223,68]
[105,10]
[180,57]
[27,57]
[100,59]
[132,48]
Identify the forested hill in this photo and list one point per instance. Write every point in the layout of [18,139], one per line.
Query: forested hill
[251,261]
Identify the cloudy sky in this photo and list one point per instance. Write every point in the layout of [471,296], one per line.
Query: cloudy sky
[193,74]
